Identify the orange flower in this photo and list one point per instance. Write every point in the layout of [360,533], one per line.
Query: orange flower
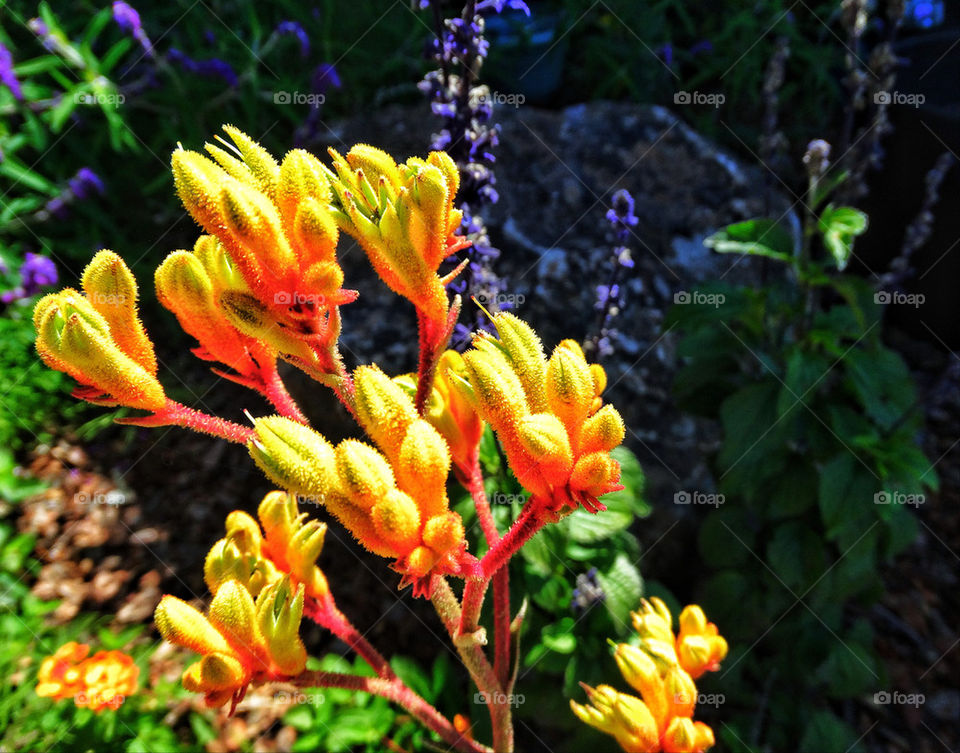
[102,681]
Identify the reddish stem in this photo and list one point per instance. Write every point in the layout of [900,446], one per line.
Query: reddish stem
[175,414]
[501,626]
[276,392]
[326,614]
[433,339]
[501,580]
[519,534]
[396,691]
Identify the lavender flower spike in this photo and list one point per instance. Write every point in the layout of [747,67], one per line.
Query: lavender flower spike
[7,76]
[128,20]
[292,27]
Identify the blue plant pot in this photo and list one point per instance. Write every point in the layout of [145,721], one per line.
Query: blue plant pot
[526,54]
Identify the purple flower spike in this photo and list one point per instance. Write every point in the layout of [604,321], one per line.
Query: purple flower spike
[292,27]
[37,272]
[128,19]
[7,77]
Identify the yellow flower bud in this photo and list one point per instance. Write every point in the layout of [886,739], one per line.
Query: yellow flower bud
[642,673]
[443,533]
[680,736]
[384,409]
[112,291]
[624,716]
[184,288]
[233,614]
[497,391]
[262,165]
[422,468]
[293,456]
[181,624]
[595,474]
[526,355]
[603,431]
[546,440]
[215,672]
[569,386]
[397,520]
[364,475]
[279,610]
[74,338]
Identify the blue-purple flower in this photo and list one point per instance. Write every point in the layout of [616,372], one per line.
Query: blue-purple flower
[79,187]
[36,273]
[295,29]
[7,76]
[128,19]
[211,68]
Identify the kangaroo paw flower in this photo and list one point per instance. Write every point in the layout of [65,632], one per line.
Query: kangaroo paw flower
[279,282]
[393,500]
[98,339]
[241,640]
[546,412]
[662,718]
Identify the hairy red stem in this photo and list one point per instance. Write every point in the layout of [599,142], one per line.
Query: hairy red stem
[176,414]
[326,614]
[501,580]
[276,392]
[523,528]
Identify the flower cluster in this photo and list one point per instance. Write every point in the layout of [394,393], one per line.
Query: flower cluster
[394,500]
[97,338]
[662,668]
[79,188]
[98,682]
[547,414]
[404,218]
[288,545]
[277,279]
[241,640]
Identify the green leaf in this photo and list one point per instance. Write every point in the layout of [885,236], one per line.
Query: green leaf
[413,675]
[726,538]
[839,226]
[824,731]
[352,727]
[757,237]
[623,589]
[300,717]
[558,637]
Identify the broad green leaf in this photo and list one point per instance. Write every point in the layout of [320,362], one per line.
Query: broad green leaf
[839,226]
[623,589]
[758,237]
